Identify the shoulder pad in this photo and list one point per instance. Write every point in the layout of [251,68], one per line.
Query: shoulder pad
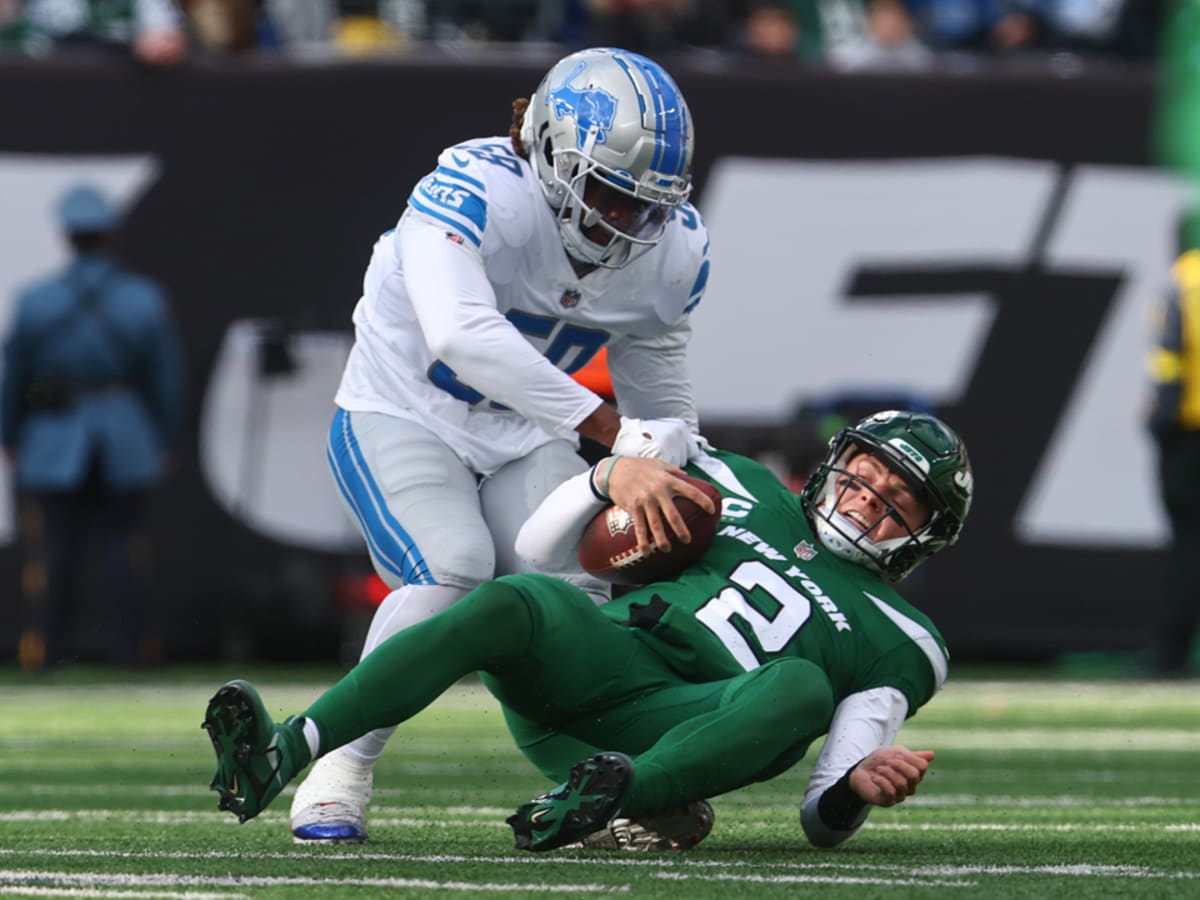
[685,263]
[928,643]
[476,184]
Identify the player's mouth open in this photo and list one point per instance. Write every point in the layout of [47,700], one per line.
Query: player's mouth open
[858,519]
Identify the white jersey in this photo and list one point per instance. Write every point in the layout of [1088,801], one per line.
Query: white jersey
[472,317]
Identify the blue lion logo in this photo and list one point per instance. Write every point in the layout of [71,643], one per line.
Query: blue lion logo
[592,108]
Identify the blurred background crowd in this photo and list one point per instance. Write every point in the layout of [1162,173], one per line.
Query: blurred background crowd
[840,34]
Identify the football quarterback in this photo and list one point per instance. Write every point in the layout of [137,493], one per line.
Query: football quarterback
[788,628]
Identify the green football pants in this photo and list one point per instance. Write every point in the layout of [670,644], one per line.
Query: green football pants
[573,681]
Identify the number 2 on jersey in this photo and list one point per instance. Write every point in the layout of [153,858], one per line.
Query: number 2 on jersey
[772,634]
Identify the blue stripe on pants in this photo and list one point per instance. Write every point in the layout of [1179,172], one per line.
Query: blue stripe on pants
[390,544]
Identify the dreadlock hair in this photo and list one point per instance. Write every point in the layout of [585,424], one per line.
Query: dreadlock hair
[514,129]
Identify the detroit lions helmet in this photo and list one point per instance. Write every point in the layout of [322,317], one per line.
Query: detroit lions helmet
[616,117]
[930,457]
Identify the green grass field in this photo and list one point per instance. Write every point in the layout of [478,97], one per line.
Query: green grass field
[1041,788]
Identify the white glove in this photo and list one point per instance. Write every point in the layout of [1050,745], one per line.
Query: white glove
[667,439]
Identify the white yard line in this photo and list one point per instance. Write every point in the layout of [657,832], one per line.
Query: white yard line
[17,879]
[685,866]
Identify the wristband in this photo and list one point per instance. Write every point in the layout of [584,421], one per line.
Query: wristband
[839,807]
[592,483]
[604,469]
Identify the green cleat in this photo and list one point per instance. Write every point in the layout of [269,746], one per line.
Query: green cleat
[585,803]
[676,829]
[256,758]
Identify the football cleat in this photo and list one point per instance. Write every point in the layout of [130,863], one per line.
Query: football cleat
[586,802]
[676,829]
[256,757]
[331,803]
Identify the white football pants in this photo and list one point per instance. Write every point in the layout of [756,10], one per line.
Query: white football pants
[434,528]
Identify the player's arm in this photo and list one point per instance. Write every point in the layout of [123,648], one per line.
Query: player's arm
[643,487]
[859,768]
[651,378]
[456,307]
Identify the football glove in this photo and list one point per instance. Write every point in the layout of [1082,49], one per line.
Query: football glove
[666,439]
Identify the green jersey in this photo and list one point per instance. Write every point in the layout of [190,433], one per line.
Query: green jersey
[767,588]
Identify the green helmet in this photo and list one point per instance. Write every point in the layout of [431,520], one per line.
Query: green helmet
[928,455]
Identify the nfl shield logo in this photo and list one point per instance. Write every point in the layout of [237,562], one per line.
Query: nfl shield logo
[569,298]
[805,550]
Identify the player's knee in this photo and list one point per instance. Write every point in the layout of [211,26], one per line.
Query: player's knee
[458,560]
[796,694]
[495,605]
[462,568]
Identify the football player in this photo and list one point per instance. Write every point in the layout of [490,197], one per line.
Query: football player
[516,260]
[788,628]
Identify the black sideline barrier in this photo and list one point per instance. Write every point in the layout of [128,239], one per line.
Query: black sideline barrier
[276,178]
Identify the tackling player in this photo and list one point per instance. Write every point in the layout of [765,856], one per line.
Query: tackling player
[516,260]
[785,630]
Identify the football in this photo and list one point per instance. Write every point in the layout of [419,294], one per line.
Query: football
[609,550]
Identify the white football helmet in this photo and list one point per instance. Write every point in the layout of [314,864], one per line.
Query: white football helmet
[611,125]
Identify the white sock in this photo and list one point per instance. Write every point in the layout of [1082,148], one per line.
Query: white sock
[313,735]
[401,608]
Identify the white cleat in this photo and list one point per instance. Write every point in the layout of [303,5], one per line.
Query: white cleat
[677,829]
[331,804]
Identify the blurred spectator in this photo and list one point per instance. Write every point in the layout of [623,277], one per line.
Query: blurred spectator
[881,35]
[779,28]
[1121,28]
[1174,363]
[1174,422]
[16,33]
[231,26]
[488,20]
[363,27]
[90,405]
[1127,28]
[657,25]
[150,30]
[351,27]
[301,24]
[846,34]
[980,25]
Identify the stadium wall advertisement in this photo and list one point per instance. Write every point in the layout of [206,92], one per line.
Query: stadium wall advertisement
[989,242]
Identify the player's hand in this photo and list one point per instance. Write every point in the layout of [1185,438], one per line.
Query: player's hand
[667,439]
[890,774]
[646,488]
